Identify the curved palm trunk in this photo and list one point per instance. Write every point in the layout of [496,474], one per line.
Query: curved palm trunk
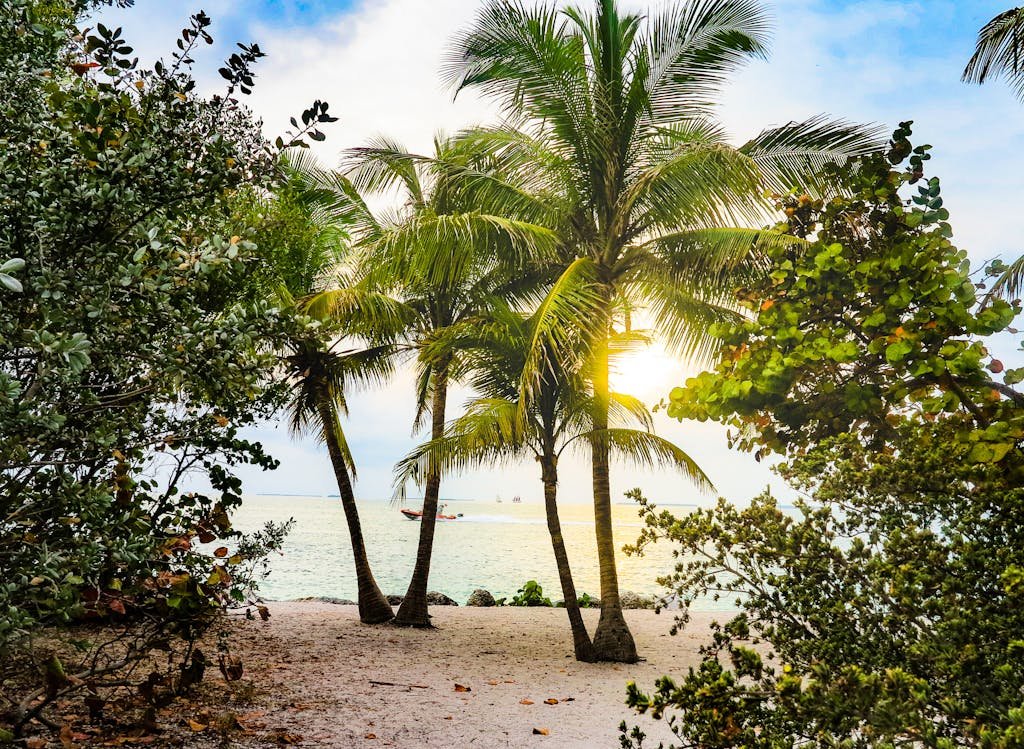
[413,611]
[581,644]
[612,638]
[373,606]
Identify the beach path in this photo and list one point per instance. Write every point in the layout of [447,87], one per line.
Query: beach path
[324,679]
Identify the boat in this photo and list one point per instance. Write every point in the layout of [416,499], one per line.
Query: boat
[516,499]
[418,515]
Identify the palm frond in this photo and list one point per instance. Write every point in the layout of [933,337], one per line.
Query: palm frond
[791,155]
[490,431]
[383,164]
[649,450]
[1009,284]
[999,51]
[559,333]
[690,50]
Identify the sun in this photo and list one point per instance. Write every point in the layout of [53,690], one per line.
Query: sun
[648,373]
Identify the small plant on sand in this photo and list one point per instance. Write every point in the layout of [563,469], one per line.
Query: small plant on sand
[531,594]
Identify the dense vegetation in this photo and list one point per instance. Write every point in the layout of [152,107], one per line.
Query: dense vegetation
[133,351]
[884,609]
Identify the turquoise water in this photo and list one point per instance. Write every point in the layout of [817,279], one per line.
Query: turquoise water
[496,546]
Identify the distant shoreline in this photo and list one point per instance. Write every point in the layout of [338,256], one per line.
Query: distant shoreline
[414,500]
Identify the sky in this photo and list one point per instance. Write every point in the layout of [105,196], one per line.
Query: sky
[377,63]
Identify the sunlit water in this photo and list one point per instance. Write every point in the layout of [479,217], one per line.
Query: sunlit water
[496,546]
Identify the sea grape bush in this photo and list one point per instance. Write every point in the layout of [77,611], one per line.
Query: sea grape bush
[876,317]
[133,351]
[884,607]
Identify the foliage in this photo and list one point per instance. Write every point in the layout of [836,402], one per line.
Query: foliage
[130,355]
[586,601]
[531,594]
[882,608]
[874,319]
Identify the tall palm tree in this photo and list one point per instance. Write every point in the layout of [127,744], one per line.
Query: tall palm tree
[610,124]
[318,369]
[1000,53]
[446,262]
[496,428]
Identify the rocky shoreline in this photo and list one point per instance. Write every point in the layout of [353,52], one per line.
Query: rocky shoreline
[483,598]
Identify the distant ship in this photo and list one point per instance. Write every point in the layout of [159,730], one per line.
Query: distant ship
[497,498]
[516,499]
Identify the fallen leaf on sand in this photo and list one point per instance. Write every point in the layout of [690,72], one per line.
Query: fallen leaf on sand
[510,681]
[370,736]
[525,702]
[550,701]
[447,717]
[493,683]
[286,739]
[568,699]
[66,739]
[541,732]
[35,743]
[196,726]
[462,688]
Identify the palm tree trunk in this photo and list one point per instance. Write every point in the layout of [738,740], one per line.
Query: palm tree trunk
[581,644]
[413,611]
[373,606]
[612,638]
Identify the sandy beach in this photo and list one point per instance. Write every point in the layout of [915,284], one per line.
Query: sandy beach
[323,679]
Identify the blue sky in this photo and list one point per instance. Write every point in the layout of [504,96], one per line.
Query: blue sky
[376,62]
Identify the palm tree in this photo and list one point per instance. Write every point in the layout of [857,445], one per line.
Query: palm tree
[318,370]
[611,128]
[497,426]
[446,262]
[1000,52]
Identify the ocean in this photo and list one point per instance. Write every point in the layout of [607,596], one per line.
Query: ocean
[494,545]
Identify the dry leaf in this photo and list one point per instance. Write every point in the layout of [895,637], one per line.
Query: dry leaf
[370,736]
[195,725]
[66,739]
[221,551]
[447,717]
[35,744]
[264,612]
[525,701]
[541,732]
[493,683]
[550,701]
[462,688]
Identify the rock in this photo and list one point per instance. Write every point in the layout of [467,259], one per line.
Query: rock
[631,600]
[395,600]
[480,597]
[328,599]
[439,599]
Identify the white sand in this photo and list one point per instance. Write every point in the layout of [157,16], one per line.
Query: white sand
[315,664]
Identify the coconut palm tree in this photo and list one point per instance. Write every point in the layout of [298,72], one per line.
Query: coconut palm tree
[1000,53]
[611,128]
[317,368]
[497,427]
[446,262]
